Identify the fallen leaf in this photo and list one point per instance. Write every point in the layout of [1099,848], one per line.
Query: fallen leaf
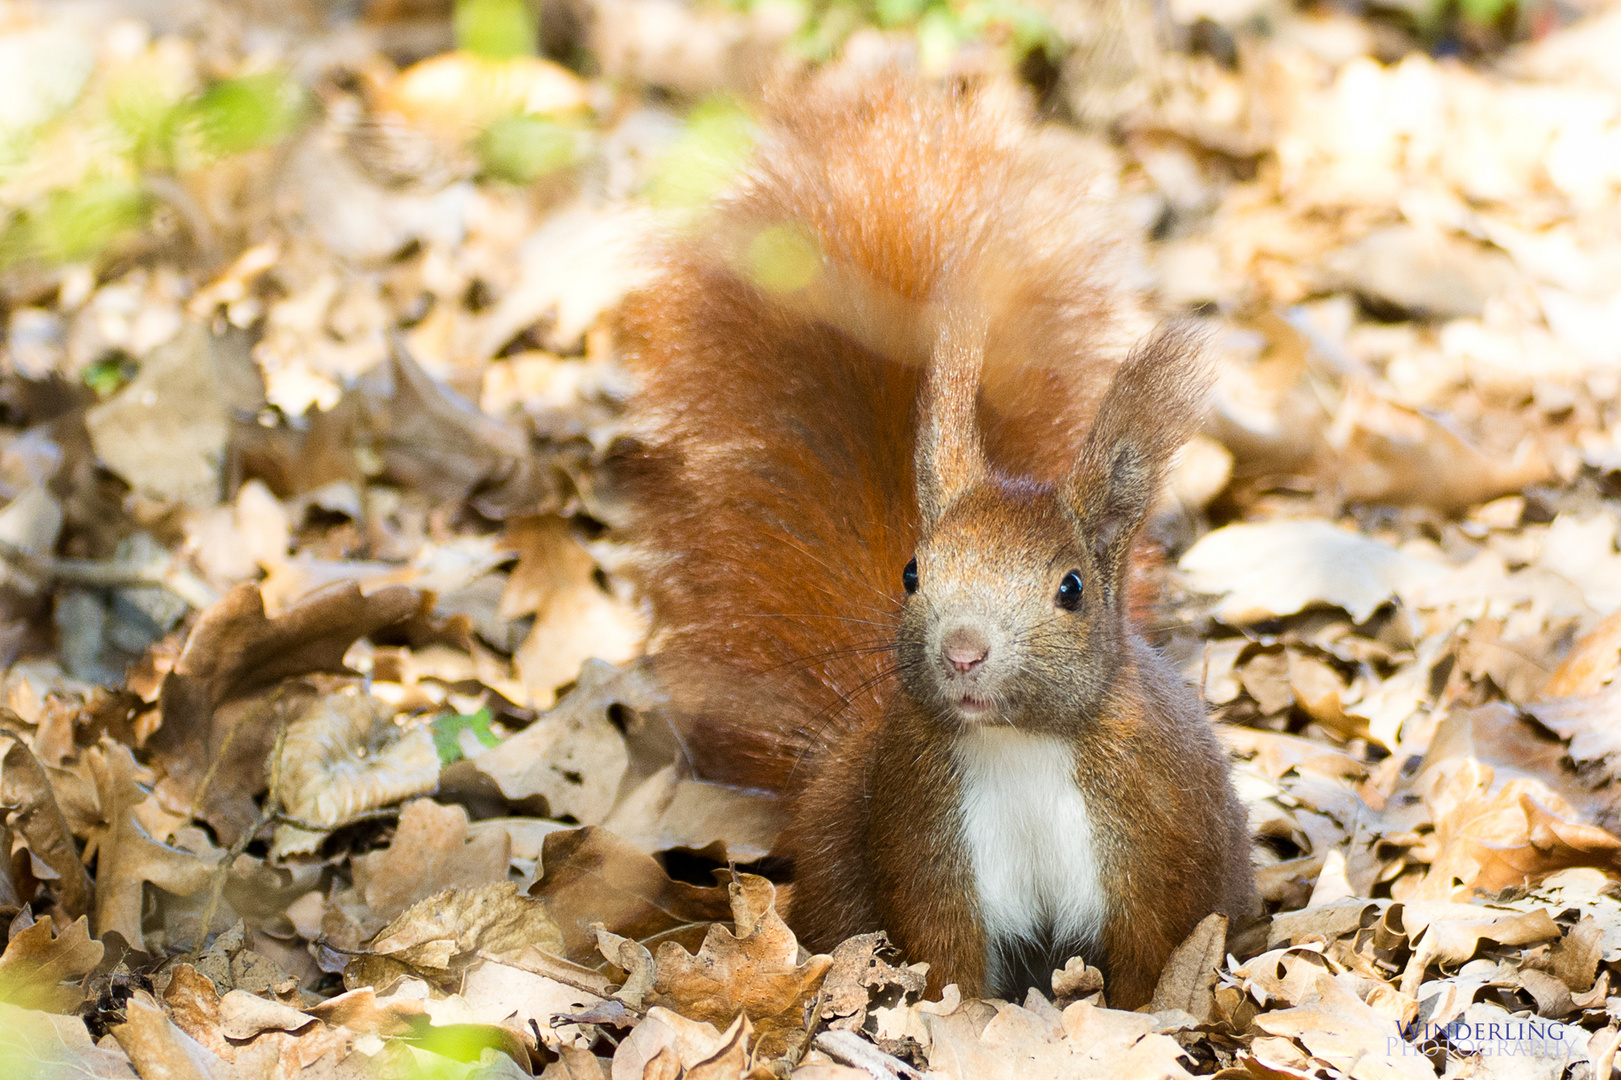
[1189,976]
[166,431]
[343,756]
[1591,664]
[244,1016]
[1275,568]
[439,935]
[127,857]
[39,1044]
[1340,1030]
[1492,840]
[590,876]
[157,1048]
[33,814]
[41,970]
[431,852]
[754,969]
[573,755]
[214,726]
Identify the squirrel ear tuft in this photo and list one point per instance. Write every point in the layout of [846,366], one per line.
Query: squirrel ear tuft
[1153,407]
[950,459]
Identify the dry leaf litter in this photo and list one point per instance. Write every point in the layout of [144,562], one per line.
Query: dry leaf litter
[324,746]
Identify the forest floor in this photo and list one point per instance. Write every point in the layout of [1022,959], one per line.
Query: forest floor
[325,750]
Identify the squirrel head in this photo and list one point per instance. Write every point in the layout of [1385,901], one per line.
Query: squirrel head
[1016,601]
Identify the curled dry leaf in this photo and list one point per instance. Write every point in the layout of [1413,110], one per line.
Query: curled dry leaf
[590,876]
[156,1047]
[1491,840]
[343,757]
[865,974]
[194,1005]
[218,725]
[436,442]
[32,814]
[441,934]
[1398,455]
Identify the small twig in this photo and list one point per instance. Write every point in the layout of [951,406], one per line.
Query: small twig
[323,943]
[812,1021]
[110,574]
[223,870]
[224,752]
[385,813]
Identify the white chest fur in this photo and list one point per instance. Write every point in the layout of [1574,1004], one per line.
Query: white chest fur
[1031,843]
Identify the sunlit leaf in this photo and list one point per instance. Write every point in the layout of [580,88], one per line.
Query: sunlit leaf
[81,222]
[715,145]
[525,148]
[495,28]
[447,733]
[252,111]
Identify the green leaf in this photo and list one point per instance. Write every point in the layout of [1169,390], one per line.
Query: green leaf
[898,12]
[522,149]
[1483,12]
[76,223]
[252,111]
[715,146]
[106,376]
[499,29]
[447,733]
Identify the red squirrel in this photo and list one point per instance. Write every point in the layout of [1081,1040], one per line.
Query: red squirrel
[888,462]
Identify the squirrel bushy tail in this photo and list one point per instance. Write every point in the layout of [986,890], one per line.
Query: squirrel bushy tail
[769,453]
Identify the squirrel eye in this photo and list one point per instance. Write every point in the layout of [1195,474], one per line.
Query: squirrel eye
[1069,591]
[909,577]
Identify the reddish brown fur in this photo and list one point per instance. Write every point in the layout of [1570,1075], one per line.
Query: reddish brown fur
[772,473]
[757,417]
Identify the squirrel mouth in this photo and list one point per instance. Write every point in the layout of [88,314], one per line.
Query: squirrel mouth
[972,707]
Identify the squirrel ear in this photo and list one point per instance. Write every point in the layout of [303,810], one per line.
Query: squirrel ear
[950,459]
[1152,408]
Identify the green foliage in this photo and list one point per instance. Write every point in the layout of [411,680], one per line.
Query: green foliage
[147,116]
[146,125]
[74,223]
[109,374]
[522,149]
[1483,12]
[236,115]
[498,29]
[452,1052]
[447,733]
[716,144]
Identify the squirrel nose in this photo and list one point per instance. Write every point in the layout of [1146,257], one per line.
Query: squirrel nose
[965,649]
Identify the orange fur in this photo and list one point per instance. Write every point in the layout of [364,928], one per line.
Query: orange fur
[772,466]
